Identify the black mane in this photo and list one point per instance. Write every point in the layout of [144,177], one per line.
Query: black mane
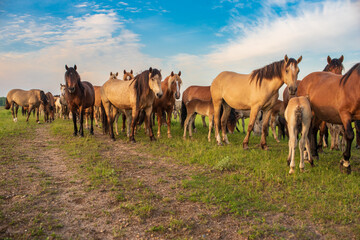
[346,76]
[141,84]
[273,70]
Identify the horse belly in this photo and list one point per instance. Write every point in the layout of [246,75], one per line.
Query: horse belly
[327,113]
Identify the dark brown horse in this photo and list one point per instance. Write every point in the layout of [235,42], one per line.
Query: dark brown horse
[79,95]
[49,109]
[31,100]
[334,99]
[194,92]
[171,90]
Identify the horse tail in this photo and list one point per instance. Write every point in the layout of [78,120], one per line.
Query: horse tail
[7,104]
[183,113]
[298,115]
[105,125]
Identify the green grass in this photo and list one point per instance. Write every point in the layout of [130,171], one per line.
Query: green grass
[248,184]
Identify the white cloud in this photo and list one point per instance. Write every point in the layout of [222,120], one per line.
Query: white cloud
[97,44]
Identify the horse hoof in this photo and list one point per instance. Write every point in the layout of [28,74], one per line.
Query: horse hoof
[277,141]
[292,170]
[345,166]
[152,138]
[245,146]
[169,136]
[219,144]
[264,147]
[75,134]
[113,139]
[92,132]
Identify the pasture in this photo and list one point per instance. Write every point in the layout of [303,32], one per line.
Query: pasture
[56,186]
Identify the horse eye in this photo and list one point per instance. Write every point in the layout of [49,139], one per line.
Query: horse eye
[287,71]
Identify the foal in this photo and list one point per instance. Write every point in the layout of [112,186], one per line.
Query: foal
[298,114]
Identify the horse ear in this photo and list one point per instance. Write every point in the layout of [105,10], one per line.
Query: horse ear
[179,73]
[131,71]
[341,59]
[286,59]
[110,73]
[329,59]
[124,71]
[66,67]
[75,67]
[172,74]
[299,59]
[117,74]
[150,69]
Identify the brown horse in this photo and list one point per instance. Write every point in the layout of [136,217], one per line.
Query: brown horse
[205,108]
[31,99]
[194,92]
[334,99]
[49,109]
[132,95]
[171,90]
[258,90]
[79,95]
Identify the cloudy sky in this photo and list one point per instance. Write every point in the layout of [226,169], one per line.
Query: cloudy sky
[200,38]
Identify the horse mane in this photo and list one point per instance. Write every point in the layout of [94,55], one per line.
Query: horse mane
[141,83]
[43,97]
[273,70]
[334,63]
[346,76]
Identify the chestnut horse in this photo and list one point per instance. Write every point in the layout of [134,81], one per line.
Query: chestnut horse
[31,100]
[258,90]
[171,91]
[79,95]
[132,95]
[334,99]
[194,92]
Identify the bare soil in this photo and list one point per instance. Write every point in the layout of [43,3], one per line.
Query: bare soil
[45,195]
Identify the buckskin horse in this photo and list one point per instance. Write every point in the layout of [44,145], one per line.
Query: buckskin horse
[31,99]
[132,95]
[334,99]
[258,90]
[79,95]
[171,90]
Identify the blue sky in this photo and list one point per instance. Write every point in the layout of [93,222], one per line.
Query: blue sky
[200,38]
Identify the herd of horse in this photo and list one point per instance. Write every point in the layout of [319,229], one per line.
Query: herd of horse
[322,100]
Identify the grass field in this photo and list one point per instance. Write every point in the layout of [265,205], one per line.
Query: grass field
[252,186]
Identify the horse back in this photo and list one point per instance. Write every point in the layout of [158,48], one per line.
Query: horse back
[197,92]
[119,93]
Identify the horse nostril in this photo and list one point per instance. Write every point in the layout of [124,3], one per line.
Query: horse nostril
[159,95]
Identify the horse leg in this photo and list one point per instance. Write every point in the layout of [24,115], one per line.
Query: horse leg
[253,114]
[159,119]
[92,119]
[243,124]
[186,125]
[148,112]
[74,121]
[116,120]
[349,136]
[13,113]
[357,127]
[203,121]
[313,137]
[16,111]
[264,132]
[192,120]
[169,112]
[292,147]
[211,122]
[321,135]
[273,127]
[224,119]
[123,122]
[135,116]
[82,113]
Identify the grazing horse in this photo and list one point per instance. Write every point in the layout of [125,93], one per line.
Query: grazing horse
[334,99]
[298,115]
[79,95]
[171,91]
[194,92]
[132,95]
[49,109]
[31,99]
[258,91]
[204,108]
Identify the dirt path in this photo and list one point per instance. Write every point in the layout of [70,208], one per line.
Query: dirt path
[46,196]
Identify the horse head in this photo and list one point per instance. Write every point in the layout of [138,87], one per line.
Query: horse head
[72,78]
[175,83]
[128,75]
[62,89]
[290,73]
[335,65]
[113,75]
[155,82]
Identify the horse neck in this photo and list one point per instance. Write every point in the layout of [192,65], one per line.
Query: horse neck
[274,85]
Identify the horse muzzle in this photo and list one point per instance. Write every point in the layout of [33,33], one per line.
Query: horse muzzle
[292,90]
[159,95]
[177,95]
[71,90]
